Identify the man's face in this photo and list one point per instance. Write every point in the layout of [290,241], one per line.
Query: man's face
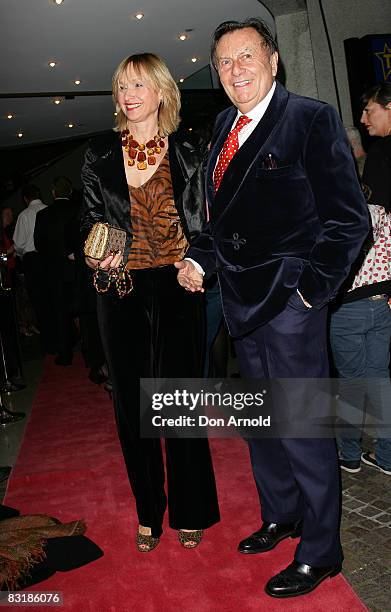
[245,68]
[377,119]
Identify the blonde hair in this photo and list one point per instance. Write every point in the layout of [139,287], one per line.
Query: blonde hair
[156,71]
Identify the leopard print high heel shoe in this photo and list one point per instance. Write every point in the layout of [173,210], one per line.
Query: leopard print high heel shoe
[146,543]
[190,539]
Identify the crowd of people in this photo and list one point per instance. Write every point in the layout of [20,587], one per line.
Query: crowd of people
[51,291]
[300,242]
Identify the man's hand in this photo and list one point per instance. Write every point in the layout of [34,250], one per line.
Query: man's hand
[188,277]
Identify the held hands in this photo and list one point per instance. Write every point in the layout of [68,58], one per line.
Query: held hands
[188,277]
[112,261]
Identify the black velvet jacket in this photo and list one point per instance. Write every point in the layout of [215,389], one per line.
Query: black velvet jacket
[297,222]
[106,193]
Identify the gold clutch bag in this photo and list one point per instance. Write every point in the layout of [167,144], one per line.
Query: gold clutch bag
[103,240]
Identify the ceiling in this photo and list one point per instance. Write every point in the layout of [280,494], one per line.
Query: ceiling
[87,39]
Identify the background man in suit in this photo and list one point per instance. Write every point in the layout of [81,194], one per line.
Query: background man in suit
[56,238]
[287,219]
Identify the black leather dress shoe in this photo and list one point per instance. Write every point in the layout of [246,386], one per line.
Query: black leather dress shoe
[268,536]
[299,579]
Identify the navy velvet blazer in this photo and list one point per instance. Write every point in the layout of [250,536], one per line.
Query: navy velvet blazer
[106,193]
[297,225]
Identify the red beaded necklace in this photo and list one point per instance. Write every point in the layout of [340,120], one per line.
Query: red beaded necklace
[143,154]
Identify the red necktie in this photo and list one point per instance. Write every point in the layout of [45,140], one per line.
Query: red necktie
[230,147]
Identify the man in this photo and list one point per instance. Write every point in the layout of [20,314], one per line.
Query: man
[287,218]
[32,263]
[56,239]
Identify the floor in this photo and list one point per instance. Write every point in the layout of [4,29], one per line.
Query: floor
[11,436]
[366,507]
[366,536]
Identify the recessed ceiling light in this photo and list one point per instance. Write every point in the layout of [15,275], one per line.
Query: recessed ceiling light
[10,116]
[57,101]
[190,129]
[182,36]
[71,125]
[194,59]
[58,1]
[52,64]
[181,80]
[139,15]
[20,134]
[77,82]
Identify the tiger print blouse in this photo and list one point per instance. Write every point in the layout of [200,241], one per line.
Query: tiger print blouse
[157,234]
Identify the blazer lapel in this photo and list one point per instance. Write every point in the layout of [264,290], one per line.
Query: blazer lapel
[112,171]
[186,166]
[255,148]
[179,166]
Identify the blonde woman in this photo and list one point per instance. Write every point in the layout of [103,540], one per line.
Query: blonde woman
[147,180]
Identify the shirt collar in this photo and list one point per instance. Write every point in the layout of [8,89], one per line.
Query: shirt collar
[37,201]
[259,110]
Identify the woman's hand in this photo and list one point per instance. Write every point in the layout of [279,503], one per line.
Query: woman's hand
[112,261]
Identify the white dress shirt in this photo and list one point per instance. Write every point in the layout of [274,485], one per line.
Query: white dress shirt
[24,229]
[255,115]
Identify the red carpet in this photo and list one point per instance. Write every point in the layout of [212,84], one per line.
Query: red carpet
[70,467]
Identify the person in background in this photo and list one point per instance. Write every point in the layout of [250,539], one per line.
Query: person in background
[32,267]
[25,314]
[358,151]
[10,358]
[56,238]
[85,307]
[376,118]
[6,243]
[360,330]
[148,180]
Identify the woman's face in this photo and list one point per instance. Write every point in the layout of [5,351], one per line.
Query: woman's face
[136,96]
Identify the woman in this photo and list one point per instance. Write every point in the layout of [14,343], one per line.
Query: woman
[146,180]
